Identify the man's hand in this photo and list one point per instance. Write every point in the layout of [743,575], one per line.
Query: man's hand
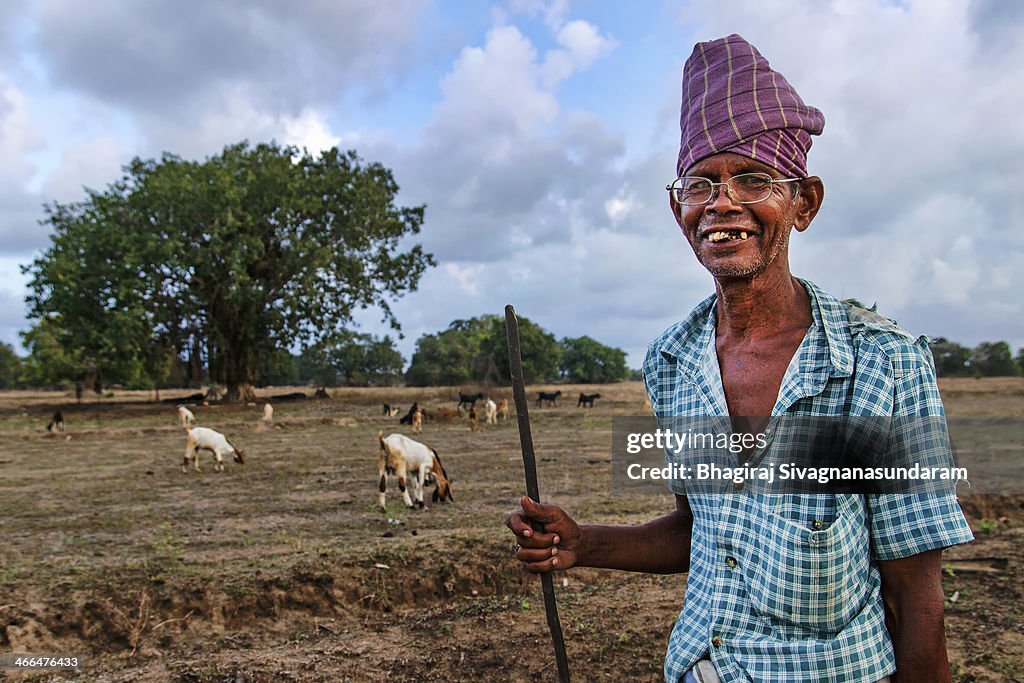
[543,551]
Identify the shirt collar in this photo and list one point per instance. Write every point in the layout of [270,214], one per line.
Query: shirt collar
[690,344]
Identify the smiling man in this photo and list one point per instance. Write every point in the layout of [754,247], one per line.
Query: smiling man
[781,587]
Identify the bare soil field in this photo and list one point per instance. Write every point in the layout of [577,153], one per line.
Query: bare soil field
[285,569]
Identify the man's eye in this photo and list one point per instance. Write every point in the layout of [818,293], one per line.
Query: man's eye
[752,182]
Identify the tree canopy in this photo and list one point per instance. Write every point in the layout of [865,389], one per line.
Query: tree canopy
[354,360]
[254,250]
[476,351]
[951,359]
[587,361]
[10,367]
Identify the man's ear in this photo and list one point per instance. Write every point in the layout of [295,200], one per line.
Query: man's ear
[809,199]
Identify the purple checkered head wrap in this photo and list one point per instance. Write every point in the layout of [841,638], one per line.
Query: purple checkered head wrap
[734,102]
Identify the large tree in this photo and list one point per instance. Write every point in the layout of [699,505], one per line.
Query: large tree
[476,351]
[255,249]
[586,360]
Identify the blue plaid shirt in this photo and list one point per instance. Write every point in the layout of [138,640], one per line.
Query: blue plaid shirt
[786,587]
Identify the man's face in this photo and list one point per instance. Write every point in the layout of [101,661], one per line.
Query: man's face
[767,224]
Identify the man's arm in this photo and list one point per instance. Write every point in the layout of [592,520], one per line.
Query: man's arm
[912,593]
[661,546]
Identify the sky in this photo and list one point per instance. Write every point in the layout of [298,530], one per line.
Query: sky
[540,134]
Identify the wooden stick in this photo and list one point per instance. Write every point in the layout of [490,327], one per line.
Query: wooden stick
[515,363]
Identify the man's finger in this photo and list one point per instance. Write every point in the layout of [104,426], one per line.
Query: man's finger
[539,539]
[535,554]
[544,567]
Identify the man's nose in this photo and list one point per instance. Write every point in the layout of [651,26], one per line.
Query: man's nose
[722,199]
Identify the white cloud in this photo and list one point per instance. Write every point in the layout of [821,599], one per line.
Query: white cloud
[583,45]
[19,134]
[309,130]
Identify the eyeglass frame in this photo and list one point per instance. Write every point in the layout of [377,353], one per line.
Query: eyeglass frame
[728,188]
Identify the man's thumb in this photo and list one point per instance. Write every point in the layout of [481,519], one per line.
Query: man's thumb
[541,513]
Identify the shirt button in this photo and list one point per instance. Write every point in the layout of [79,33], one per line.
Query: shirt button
[717,642]
[730,562]
[818,525]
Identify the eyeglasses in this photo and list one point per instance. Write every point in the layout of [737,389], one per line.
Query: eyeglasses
[746,188]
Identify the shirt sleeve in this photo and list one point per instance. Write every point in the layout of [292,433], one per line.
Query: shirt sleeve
[905,524]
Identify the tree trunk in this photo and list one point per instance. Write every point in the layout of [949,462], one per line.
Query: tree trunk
[240,392]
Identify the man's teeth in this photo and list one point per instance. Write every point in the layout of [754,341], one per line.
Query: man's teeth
[722,236]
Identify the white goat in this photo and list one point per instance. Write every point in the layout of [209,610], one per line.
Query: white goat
[205,439]
[185,417]
[491,412]
[268,413]
[401,456]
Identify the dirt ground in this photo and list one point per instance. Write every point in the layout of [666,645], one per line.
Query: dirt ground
[285,569]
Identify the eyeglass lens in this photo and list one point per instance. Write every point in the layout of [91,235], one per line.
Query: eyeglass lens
[745,188]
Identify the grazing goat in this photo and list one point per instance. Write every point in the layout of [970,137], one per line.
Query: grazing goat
[472,419]
[205,439]
[407,420]
[185,417]
[402,456]
[468,400]
[447,414]
[552,399]
[417,421]
[490,412]
[268,412]
[503,413]
[390,410]
[587,400]
[56,422]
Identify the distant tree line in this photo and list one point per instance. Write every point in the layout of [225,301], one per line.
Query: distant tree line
[476,351]
[987,359]
[470,351]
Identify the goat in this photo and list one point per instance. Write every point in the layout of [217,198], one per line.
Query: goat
[268,412]
[587,400]
[390,410]
[205,439]
[417,421]
[185,417]
[472,419]
[490,412]
[552,399]
[469,400]
[56,422]
[503,412]
[321,392]
[407,420]
[446,414]
[402,456]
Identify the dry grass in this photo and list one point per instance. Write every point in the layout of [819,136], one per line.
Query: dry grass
[272,567]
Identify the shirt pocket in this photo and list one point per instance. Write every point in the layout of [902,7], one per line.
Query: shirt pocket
[815,579]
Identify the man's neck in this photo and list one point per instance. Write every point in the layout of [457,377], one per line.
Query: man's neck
[762,307]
